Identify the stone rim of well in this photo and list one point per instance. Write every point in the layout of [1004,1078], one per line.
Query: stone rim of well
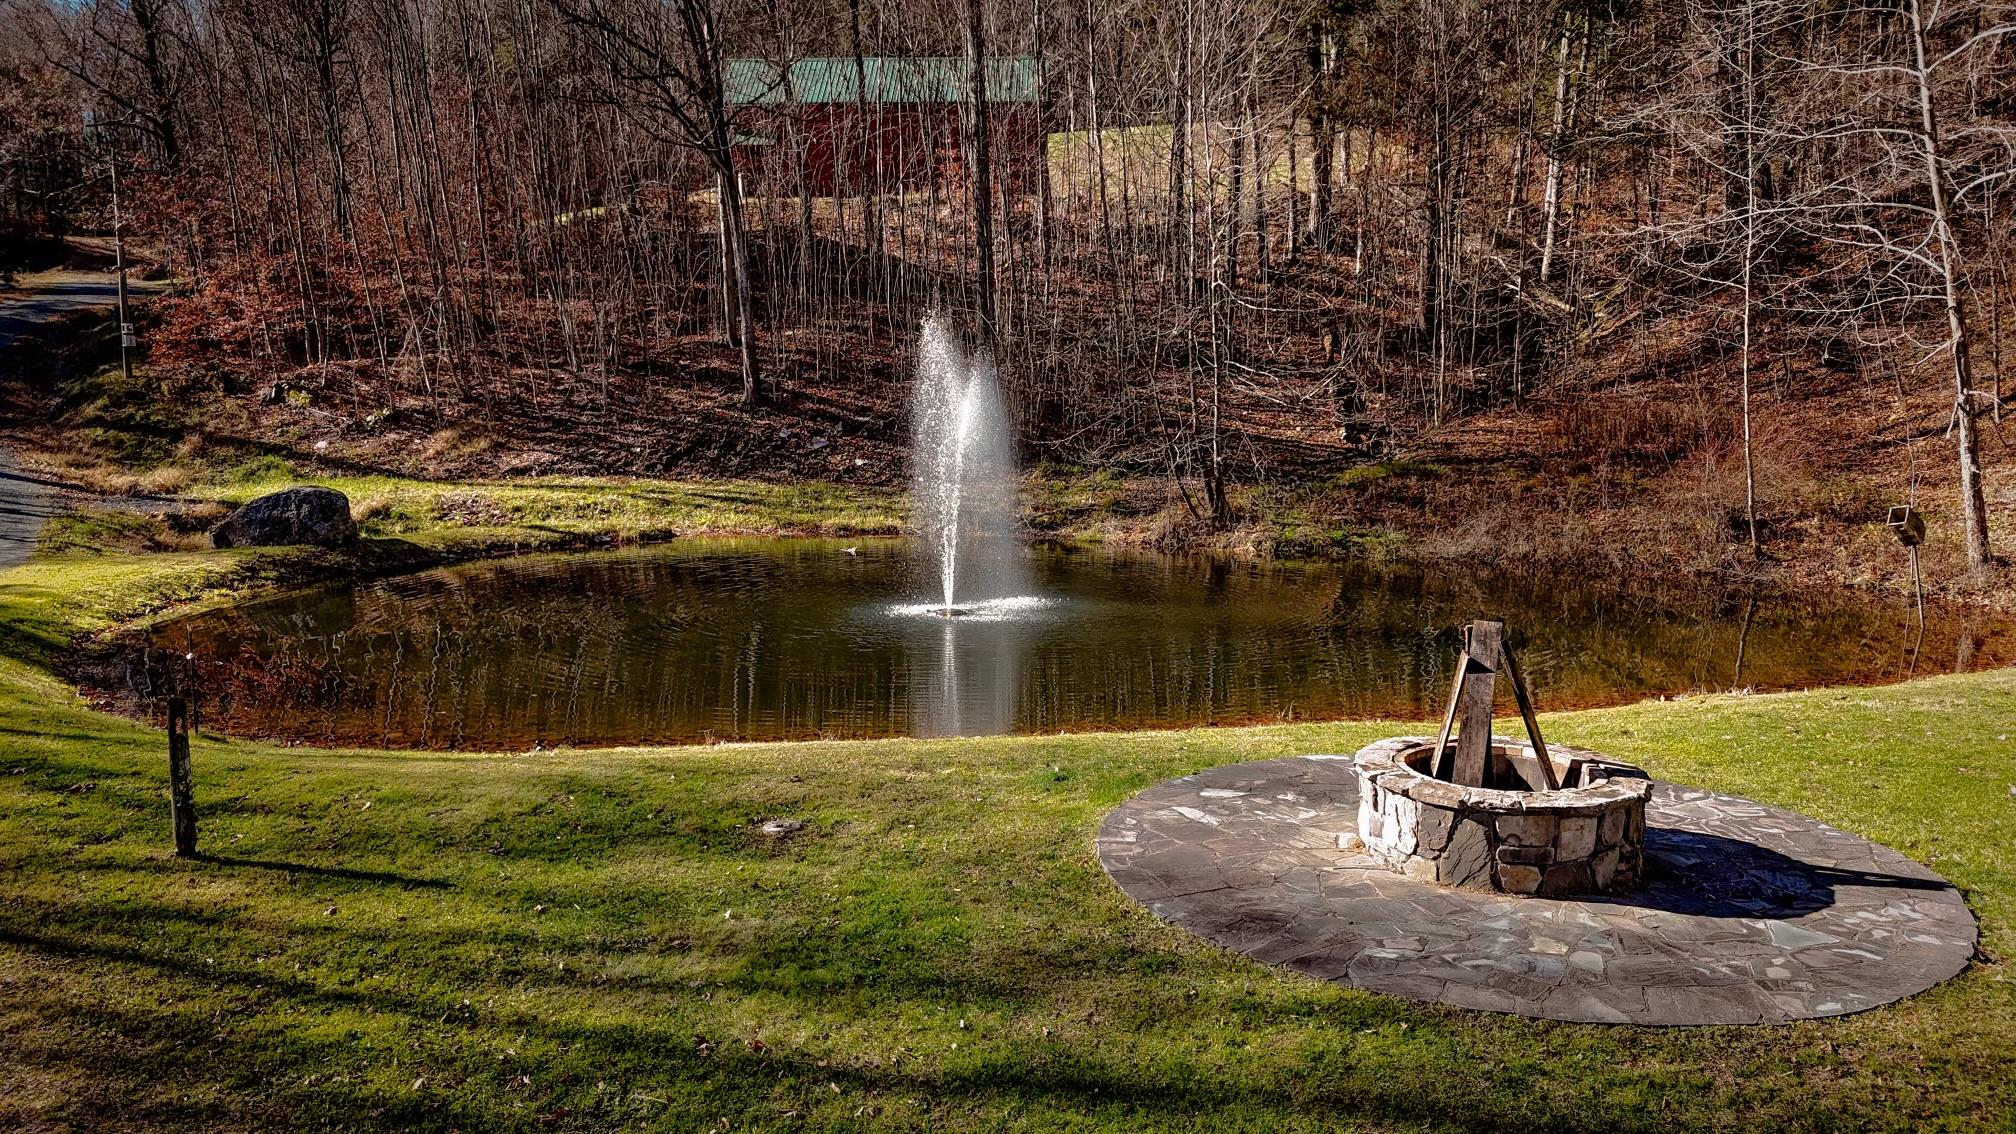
[1587,837]
[1388,764]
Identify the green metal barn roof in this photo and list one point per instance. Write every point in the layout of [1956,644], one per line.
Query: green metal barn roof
[761,82]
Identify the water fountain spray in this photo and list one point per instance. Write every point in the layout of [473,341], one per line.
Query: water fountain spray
[964,481]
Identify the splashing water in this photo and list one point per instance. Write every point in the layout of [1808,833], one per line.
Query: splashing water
[964,483]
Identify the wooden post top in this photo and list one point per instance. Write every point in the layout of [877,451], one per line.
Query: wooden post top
[1485,654]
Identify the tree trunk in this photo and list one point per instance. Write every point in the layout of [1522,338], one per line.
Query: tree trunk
[1557,139]
[978,159]
[1973,502]
[1749,264]
[147,17]
[871,213]
[1045,206]
[735,247]
[1322,148]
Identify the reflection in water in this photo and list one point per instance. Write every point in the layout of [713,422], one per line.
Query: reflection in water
[723,640]
[966,672]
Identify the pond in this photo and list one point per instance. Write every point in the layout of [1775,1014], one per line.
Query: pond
[702,641]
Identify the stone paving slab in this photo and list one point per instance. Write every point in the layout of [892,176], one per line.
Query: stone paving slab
[1751,915]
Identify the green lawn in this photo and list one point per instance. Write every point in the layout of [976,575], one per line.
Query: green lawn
[560,507]
[602,940]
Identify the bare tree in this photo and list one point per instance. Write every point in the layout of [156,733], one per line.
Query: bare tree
[129,54]
[668,67]
[979,160]
[1879,102]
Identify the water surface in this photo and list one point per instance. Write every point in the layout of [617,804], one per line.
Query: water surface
[791,639]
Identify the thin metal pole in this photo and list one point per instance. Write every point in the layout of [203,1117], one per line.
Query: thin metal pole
[126,340]
[1918,586]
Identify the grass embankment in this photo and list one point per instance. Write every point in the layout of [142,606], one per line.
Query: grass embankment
[417,519]
[461,518]
[595,940]
[197,457]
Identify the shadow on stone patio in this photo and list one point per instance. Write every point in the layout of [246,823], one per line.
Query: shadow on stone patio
[1692,872]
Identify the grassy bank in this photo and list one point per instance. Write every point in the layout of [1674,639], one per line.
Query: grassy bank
[602,940]
[463,517]
[459,518]
[438,512]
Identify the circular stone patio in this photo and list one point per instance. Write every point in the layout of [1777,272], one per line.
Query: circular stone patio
[1749,915]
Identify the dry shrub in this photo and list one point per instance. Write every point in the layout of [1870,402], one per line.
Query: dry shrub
[370,508]
[166,480]
[1612,429]
[1487,529]
[451,443]
[1639,534]
[441,441]
[1246,541]
[1175,528]
[92,473]
[110,478]
[196,518]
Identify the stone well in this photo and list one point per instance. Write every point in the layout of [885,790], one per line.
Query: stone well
[1586,837]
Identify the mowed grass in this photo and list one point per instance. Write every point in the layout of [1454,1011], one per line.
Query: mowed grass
[543,509]
[602,940]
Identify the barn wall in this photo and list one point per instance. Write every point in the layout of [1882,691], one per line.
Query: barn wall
[849,149]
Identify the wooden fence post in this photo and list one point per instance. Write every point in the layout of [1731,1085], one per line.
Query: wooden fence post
[181,788]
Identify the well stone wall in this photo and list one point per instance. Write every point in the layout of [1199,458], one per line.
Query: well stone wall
[1587,837]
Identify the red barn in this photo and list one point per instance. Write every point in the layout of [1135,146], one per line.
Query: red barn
[878,123]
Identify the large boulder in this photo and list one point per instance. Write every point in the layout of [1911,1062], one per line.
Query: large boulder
[295,515]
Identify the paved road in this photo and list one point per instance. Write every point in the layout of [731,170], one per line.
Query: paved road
[26,503]
[43,296]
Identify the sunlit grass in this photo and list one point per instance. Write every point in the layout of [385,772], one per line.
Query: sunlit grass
[623,508]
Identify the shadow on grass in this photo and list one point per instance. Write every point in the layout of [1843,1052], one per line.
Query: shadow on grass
[695,1058]
[350,874]
[31,628]
[130,734]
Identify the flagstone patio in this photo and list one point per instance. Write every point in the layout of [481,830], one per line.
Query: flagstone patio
[1749,914]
